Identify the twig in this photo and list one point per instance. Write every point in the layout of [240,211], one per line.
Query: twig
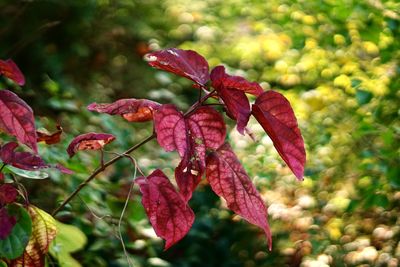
[99,170]
[118,157]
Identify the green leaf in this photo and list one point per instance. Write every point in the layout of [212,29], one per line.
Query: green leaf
[68,240]
[27,174]
[363,97]
[14,245]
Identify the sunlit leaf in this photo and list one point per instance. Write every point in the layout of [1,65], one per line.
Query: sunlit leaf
[89,141]
[273,111]
[220,78]
[133,110]
[16,118]
[229,180]
[43,232]
[14,244]
[28,174]
[10,70]
[186,63]
[168,213]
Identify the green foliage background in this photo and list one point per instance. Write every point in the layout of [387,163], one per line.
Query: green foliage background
[336,61]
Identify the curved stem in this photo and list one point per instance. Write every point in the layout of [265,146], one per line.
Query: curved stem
[103,166]
[99,170]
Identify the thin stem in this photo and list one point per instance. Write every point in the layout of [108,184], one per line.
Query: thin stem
[99,170]
[118,157]
[2,166]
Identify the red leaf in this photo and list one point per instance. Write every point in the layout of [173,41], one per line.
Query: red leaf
[16,118]
[170,127]
[7,223]
[50,139]
[230,181]
[9,69]
[89,141]
[8,194]
[207,127]
[188,174]
[220,78]
[273,111]
[186,63]
[26,160]
[236,102]
[21,160]
[168,213]
[133,110]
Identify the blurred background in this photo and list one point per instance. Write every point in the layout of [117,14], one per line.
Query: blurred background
[337,61]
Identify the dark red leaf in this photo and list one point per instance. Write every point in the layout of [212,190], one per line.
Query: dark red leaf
[1,177]
[16,118]
[48,138]
[186,63]
[9,69]
[89,141]
[168,213]
[236,102]
[7,223]
[188,174]
[237,105]
[229,180]
[273,111]
[171,130]
[26,160]
[8,194]
[133,110]
[220,78]
[21,160]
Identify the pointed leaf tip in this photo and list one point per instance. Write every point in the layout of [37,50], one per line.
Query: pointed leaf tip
[229,180]
[185,63]
[273,111]
[168,213]
[9,69]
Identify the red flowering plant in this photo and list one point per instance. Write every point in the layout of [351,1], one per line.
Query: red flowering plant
[198,135]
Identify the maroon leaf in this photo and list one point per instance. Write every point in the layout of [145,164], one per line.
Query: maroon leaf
[7,223]
[9,69]
[170,127]
[89,141]
[21,160]
[186,63]
[48,138]
[273,111]
[8,194]
[220,78]
[1,177]
[133,110]
[188,174]
[236,102]
[26,160]
[16,118]
[168,213]
[230,181]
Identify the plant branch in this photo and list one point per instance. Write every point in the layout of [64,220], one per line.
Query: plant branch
[103,166]
[101,169]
